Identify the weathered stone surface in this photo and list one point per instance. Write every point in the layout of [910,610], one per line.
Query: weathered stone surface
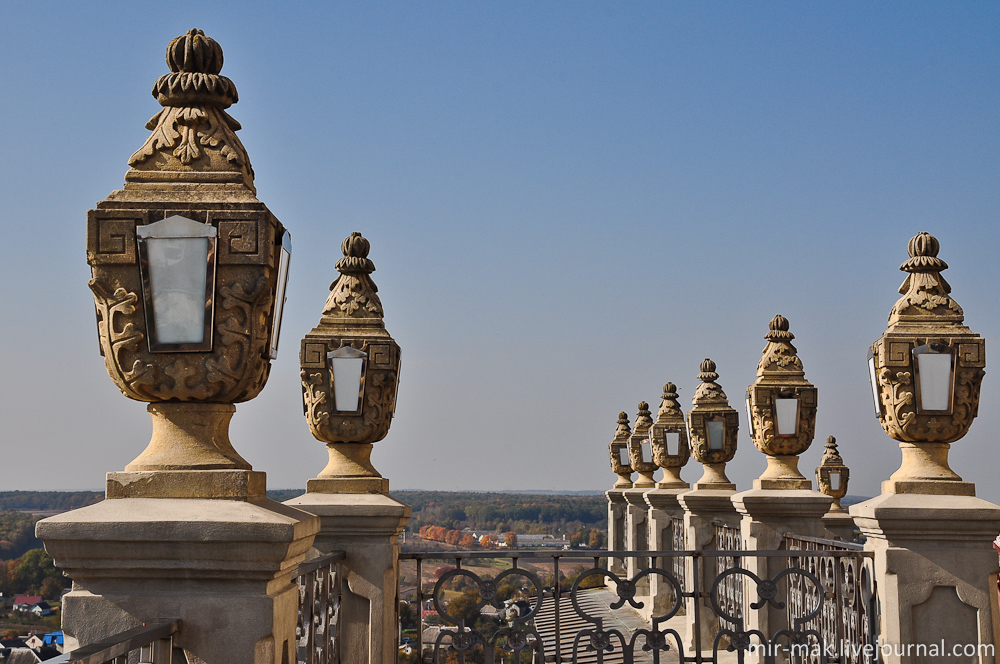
[151,560]
[366,527]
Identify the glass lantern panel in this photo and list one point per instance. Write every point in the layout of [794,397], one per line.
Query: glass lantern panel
[786,412]
[623,457]
[834,480]
[873,378]
[279,296]
[749,416]
[347,365]
[178,259]
[646,449]
[934,373]
[716,434]
[672,441]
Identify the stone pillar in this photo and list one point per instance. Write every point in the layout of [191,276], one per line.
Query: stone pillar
[935,574]
[366,526]
[204,546]
[187,267]
[616,528]
[781,405]
[671,451]
[350,411]
[707,504]
[621,465]
[636,517]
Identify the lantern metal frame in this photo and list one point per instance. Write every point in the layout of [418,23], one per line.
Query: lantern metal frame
[938,348]
[335,407]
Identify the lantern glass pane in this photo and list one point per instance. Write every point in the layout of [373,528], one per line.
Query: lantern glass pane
[834,480]
[623,457]
[347,365]
[716,434]
[646,449]
[786,412]
[672,442]
[279,296]
[873,378]
[749,416]
[934,372]
[178,259]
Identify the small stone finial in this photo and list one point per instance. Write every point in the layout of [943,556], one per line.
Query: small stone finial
[643,414]
[623,430]
[355,260]
[195,53]
[353,294]
[668,403]
[779,330]
[195,61]
[708,374]
[923,249]
[831,454]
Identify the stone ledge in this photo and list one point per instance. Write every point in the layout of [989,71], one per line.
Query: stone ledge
[335,485]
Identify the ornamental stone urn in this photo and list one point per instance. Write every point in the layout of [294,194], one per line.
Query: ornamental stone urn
[926,371]
[781,407]
[190,333]
[621,463]
[713,427]
[641,460]
[669,440]
[350,372]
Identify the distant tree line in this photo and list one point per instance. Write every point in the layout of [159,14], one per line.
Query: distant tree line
[48,500]
[503,512]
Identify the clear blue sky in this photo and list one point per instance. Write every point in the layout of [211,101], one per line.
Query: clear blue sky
[569,204]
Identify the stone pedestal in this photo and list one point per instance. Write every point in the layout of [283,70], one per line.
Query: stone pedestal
[366,526]
[205,547]
[616,529]
[935,573]
[663,508]
[637,535]
[767,515]
[708,504]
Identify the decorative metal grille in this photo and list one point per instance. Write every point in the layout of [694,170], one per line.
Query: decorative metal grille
[318,629]
[679,543]
[846,621]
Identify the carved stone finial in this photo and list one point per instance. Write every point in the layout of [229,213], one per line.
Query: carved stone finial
[624,430]
[780,357]
[194,139]
[355,260]
[354,294]
[643,417]
[830,453]
[709,391]
[926,293]
[668,403]
[779,330]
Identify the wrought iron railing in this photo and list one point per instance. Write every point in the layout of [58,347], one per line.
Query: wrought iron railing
[149,644]
[509,612]
[847,620]
[318,631]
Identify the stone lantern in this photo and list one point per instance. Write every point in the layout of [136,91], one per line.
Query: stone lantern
[186,264]
[668,438]
[621,463]
[713,426]
[781,408]
[832,478]
[188,273]
[925,372]
[350,373]
[640,451]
